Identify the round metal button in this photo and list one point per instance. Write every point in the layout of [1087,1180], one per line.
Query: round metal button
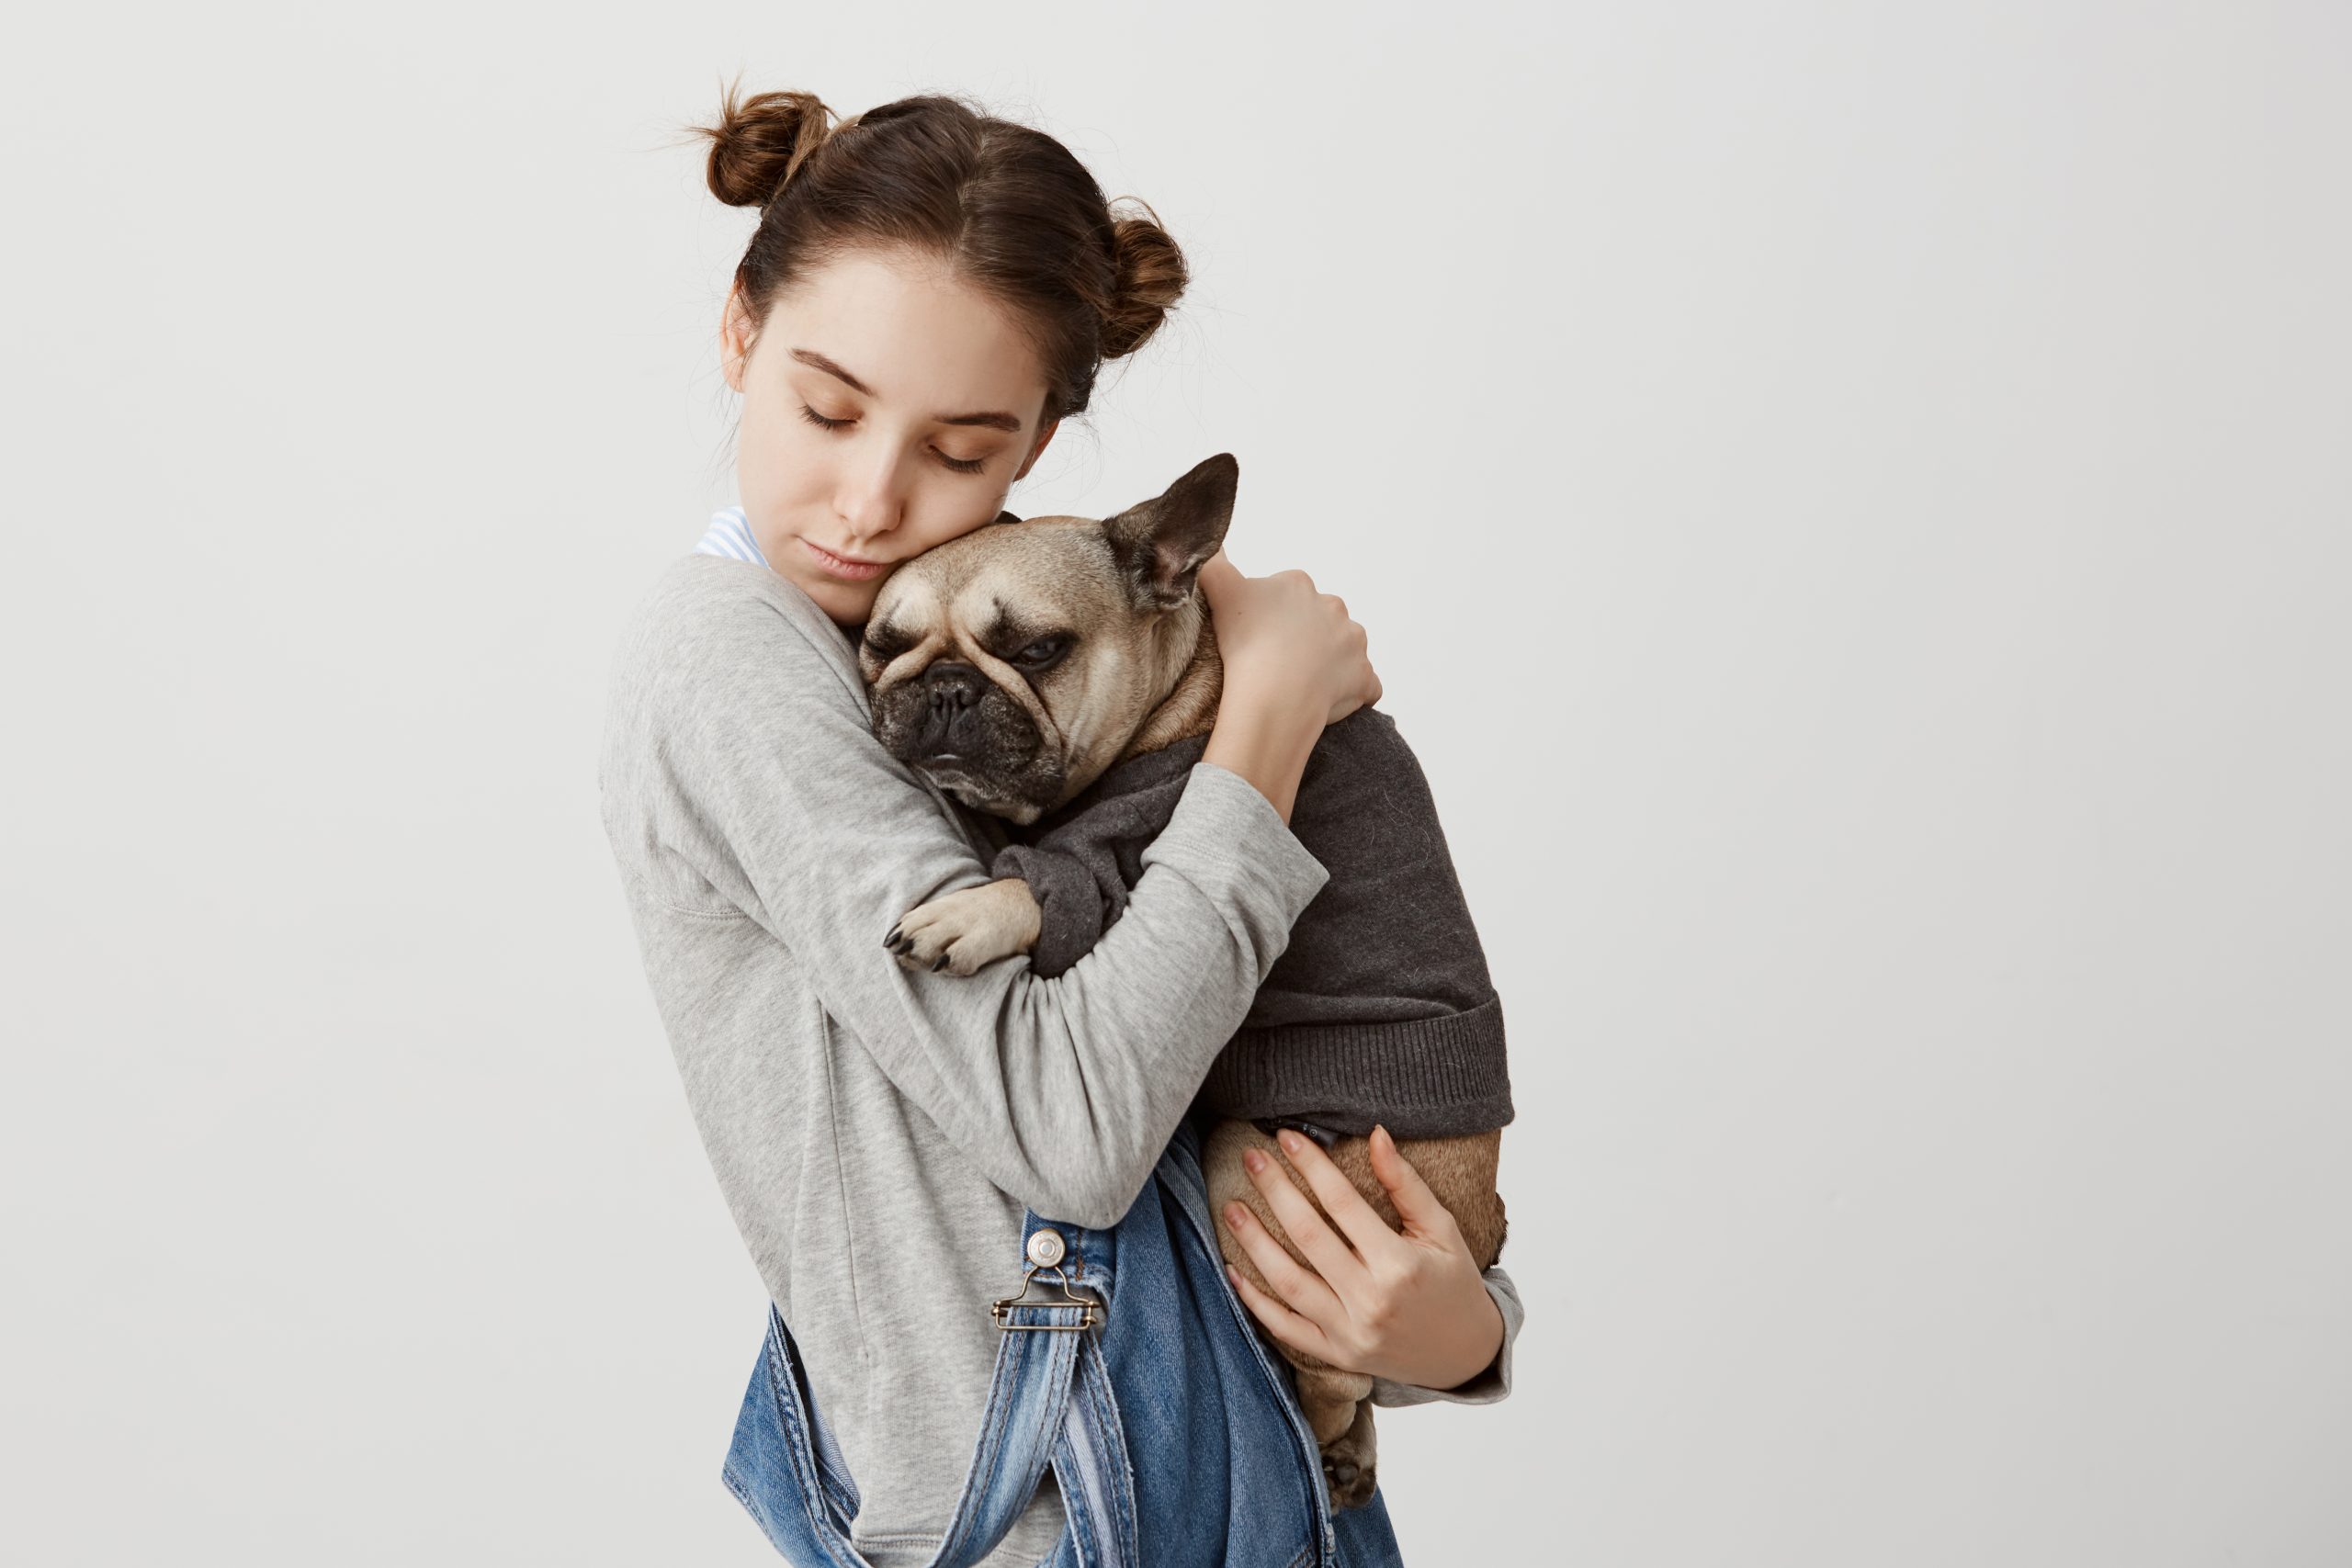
[1046,1246]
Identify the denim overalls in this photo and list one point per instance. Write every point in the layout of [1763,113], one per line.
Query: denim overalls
[1174,1430]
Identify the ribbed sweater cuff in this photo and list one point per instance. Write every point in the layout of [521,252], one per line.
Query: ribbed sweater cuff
[1421,1078]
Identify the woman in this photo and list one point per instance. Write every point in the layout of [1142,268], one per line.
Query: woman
[929,292]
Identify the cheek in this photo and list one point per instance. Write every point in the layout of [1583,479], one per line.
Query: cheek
[786,455]
[950,515]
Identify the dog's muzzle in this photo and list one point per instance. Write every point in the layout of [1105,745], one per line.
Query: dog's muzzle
[970,738]
[952,723]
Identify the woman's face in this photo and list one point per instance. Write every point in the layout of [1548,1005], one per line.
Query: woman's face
[932,401]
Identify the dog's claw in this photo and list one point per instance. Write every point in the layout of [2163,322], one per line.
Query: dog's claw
[941,963]
[892,939]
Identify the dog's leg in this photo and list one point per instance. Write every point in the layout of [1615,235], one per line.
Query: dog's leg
[1350,1471]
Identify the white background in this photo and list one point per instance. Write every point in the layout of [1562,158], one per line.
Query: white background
[1850,503]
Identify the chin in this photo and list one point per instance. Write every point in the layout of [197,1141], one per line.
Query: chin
[848,604]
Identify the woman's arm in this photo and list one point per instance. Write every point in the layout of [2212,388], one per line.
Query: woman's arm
[1289,654]
[1063,1091]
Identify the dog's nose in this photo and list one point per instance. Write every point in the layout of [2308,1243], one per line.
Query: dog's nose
[952,686]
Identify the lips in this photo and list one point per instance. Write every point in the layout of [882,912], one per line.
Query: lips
[842,567]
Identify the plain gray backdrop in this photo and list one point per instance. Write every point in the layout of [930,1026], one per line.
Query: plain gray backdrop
[1849,504]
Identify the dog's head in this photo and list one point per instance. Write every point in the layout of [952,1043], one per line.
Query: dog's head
[1014,665]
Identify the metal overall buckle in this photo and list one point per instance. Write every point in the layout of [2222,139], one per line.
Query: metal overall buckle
[1046,1257]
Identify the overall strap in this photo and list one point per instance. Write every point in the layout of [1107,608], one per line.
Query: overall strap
[1050,1402]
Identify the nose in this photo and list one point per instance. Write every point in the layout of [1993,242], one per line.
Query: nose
[869,503]
[952,686]
[952,692]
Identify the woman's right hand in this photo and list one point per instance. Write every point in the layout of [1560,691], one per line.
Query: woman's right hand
[1281,640]
[1294,662]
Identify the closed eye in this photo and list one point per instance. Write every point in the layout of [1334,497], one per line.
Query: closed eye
[961,465]
[886,643]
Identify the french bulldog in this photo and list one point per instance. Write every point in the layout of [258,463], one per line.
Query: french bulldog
[1014,667]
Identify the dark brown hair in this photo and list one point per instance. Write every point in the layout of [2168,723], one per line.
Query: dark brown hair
[1008,207]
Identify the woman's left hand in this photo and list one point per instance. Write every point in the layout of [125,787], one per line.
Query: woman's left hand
[1411,1306]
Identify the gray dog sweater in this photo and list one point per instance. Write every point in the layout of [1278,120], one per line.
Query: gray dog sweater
[1380,1009]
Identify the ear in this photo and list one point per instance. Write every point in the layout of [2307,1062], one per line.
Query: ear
[734,338]
[1160,544]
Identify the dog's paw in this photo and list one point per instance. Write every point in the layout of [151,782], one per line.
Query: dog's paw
[1350,1471]
[959,932]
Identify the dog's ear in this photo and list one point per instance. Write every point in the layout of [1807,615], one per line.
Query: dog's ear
[1160,544]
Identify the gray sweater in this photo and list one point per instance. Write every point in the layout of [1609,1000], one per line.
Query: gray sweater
[878,1131]
[1379,1008]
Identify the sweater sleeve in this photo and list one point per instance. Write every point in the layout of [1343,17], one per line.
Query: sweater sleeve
[1064,1092]
[1490,1385]
[1071,910]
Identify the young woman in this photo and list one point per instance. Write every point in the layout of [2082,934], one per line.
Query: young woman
[929,293]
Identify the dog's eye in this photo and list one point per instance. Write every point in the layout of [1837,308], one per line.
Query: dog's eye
[886,643]
[1045,650]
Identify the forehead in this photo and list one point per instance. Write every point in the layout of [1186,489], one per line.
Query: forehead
[913,332]
[1023,572]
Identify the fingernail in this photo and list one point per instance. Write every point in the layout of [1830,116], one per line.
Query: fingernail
[1290,1140]
[1233,1213]
[1254,1160]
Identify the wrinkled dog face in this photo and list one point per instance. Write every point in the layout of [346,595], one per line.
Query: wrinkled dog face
[1014,665]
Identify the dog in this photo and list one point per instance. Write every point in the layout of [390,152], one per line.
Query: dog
[1061,673]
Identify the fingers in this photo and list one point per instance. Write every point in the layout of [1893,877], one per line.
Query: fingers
[1217,576]
[1308,1231]
[1417,1205]
[1299,1332]
[1302,1287]
[1337,1194]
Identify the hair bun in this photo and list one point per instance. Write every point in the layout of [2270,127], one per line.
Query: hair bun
[760,144]
[1150,278]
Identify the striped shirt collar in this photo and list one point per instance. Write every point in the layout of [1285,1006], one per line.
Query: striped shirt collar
[730,535]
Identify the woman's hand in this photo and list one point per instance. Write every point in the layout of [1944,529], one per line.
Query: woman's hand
[1277,635]
[1294,662]
[1412,1307]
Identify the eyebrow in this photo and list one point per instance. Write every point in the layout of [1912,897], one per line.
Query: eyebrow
[994,419]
